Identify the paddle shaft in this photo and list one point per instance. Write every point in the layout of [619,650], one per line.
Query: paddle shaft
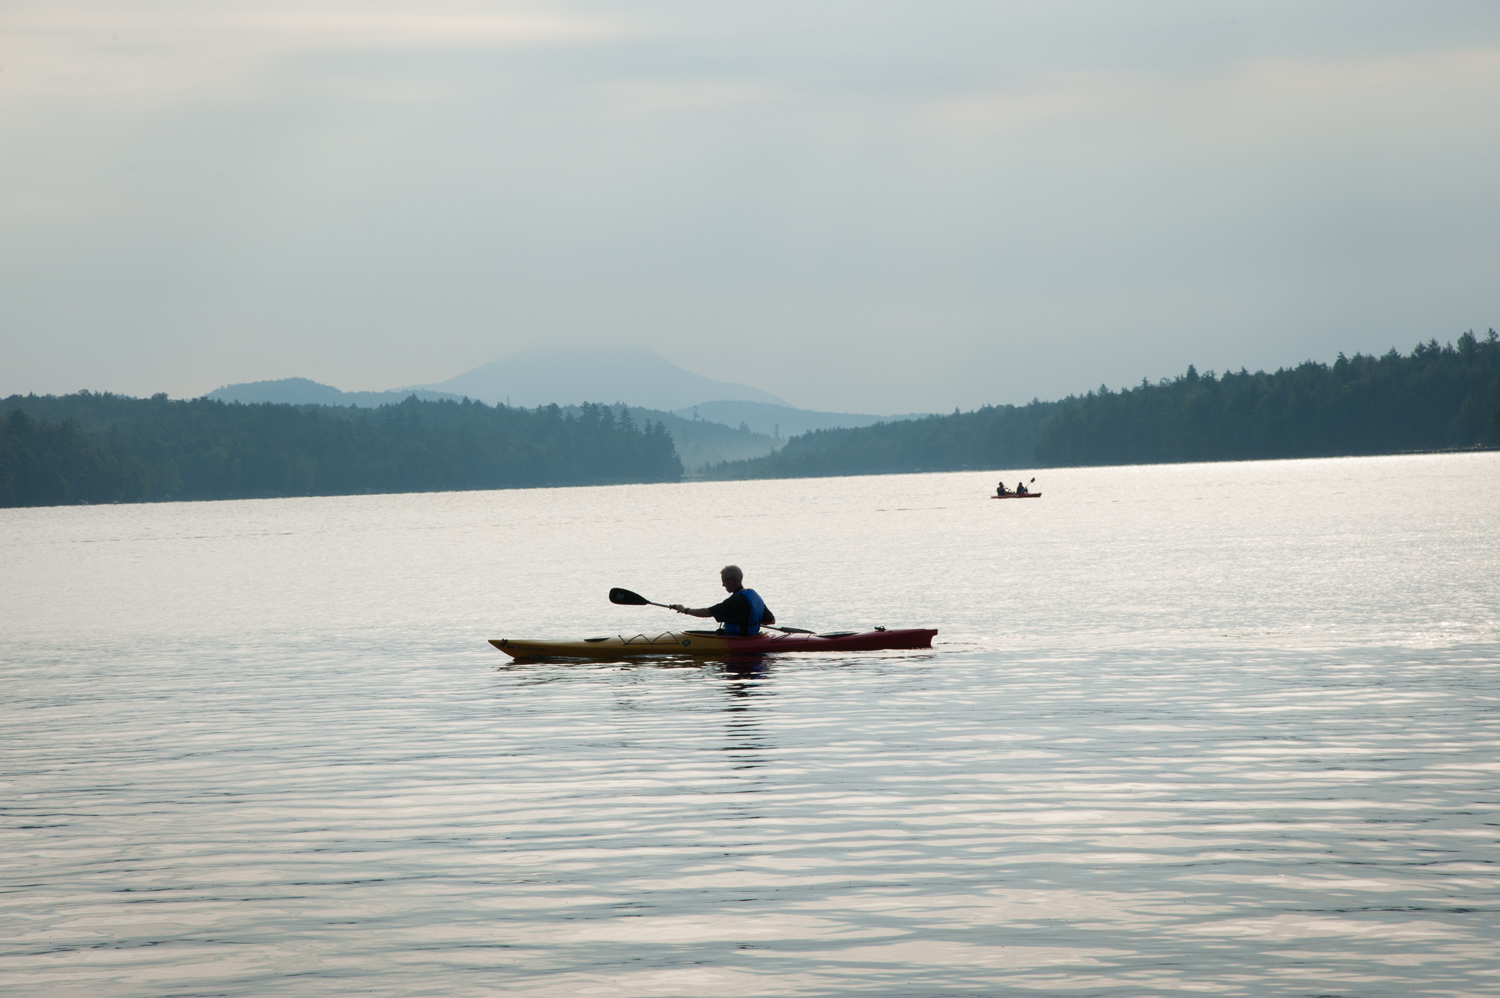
[624,597]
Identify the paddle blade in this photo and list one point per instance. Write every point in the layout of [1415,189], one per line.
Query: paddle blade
[625,597]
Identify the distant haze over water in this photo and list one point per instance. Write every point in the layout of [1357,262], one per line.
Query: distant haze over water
[781,420]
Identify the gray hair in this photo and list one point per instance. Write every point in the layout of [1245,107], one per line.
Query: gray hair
[733,572]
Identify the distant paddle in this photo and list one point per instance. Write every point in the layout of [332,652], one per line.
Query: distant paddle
[624,597]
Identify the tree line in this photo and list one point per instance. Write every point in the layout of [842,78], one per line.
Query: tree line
[1000,436]
[1435,398]
[93,447]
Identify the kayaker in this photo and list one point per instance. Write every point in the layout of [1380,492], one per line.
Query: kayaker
[1000,490]
[1020,488]
[742,613]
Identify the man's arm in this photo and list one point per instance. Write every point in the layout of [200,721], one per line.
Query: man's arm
[707,611]
[768,617]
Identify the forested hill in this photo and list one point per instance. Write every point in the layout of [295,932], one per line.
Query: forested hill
[1435,398]
[992,437]
[112,448]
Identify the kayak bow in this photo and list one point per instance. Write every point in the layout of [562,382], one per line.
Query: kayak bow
[712,643]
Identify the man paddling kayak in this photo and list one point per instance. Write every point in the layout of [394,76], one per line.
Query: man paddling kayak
[742,613]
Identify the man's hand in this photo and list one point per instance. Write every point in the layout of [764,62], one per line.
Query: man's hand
[678,607]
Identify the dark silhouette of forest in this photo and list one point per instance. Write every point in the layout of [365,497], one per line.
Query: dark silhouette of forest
[1003,436]
[111,448]
[1435,398]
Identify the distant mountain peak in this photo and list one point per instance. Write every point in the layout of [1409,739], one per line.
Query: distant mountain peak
[569,375]
[303,391]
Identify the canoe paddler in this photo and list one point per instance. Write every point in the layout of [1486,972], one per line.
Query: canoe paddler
[742,613]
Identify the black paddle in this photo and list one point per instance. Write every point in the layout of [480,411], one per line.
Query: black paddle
[624,597]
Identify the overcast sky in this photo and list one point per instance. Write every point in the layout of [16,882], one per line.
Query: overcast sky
[866,206]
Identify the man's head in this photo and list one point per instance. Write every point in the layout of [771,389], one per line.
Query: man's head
[732,577]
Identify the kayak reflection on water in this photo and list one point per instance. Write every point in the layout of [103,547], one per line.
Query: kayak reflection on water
[742,614]
[743,667]
[747,742]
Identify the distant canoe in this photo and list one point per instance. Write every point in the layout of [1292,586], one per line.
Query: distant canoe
[1012,495]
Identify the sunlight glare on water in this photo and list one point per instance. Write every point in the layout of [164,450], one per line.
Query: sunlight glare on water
[1225,728]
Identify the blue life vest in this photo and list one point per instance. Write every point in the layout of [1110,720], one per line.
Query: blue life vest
[757,611]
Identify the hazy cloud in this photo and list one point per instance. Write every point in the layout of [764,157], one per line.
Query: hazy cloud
[868,206]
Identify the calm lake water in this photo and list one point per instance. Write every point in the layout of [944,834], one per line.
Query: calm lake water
[1228,729]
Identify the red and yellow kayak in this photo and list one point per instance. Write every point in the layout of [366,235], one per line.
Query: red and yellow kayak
[711,643]
[1023,495]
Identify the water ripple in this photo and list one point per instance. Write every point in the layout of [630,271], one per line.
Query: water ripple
[293,799]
